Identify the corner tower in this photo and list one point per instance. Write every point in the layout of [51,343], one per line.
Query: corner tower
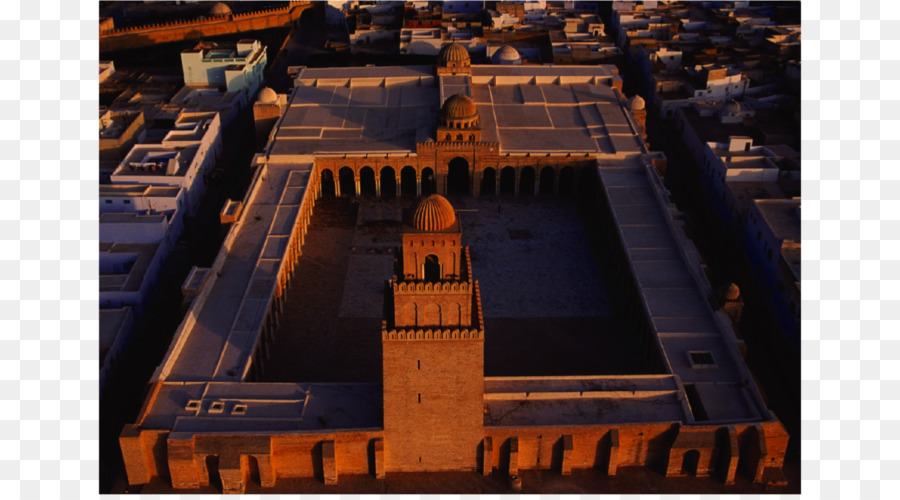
[433,348]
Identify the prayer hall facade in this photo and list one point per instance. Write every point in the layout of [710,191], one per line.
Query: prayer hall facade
[434,132]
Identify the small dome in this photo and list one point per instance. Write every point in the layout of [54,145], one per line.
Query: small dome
[433,214]
[507,54]
[732,107]
[636,103]
[219,9]
[733,292]
[267,96]
[459,107]
[453,52]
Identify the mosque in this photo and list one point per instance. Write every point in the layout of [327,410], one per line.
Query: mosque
[436,133]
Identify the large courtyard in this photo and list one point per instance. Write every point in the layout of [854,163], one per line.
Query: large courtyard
[546,307]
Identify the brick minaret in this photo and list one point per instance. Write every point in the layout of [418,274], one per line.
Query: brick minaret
[433,348]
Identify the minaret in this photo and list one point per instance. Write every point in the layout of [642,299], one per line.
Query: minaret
[433,348]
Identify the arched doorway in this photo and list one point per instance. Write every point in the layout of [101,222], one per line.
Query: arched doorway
[345,180]
[488,182]
[388,182]
[327,184]
[526,182]
[508,180]
[367,181]
[586,180]
[548,177]
[408,181]
[432,268]
[566,180]
[689,462]
[428,184]
[458,176]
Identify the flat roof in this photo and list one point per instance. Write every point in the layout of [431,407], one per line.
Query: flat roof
[111,321]
[138,190]
[542,401]
[131,218]
[783,216]
[525,108]
[218,346]
[676,297]
[130,281]
[231,407]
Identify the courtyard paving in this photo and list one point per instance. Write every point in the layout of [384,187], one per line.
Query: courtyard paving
[545,305]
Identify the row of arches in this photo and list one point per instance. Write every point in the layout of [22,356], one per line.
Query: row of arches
[508,180]
[524,181]
[385,184]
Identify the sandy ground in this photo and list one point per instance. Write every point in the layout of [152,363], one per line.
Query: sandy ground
[545,306]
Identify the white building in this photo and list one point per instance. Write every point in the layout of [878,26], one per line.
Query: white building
[146,200]
[233,67]
[133,250]
[184,158]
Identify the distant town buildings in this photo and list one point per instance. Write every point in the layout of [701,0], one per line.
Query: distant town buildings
[723,78]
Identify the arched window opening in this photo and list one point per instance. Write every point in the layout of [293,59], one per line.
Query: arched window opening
[347,183]
[327,184]
[432,268]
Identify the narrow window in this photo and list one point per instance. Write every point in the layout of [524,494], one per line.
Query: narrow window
[418,364]
[420,397]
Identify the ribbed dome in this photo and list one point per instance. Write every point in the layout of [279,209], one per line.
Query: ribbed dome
[267,95]
[507,54]
[459,107]
[453,52]
[219,9]
[636,103]
[733,292]
[434,213]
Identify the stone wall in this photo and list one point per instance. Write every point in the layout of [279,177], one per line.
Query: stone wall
[180,30]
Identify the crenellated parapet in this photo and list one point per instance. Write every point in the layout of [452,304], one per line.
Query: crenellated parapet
[189,29]
[431,334]
[418,287]
[483,147]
